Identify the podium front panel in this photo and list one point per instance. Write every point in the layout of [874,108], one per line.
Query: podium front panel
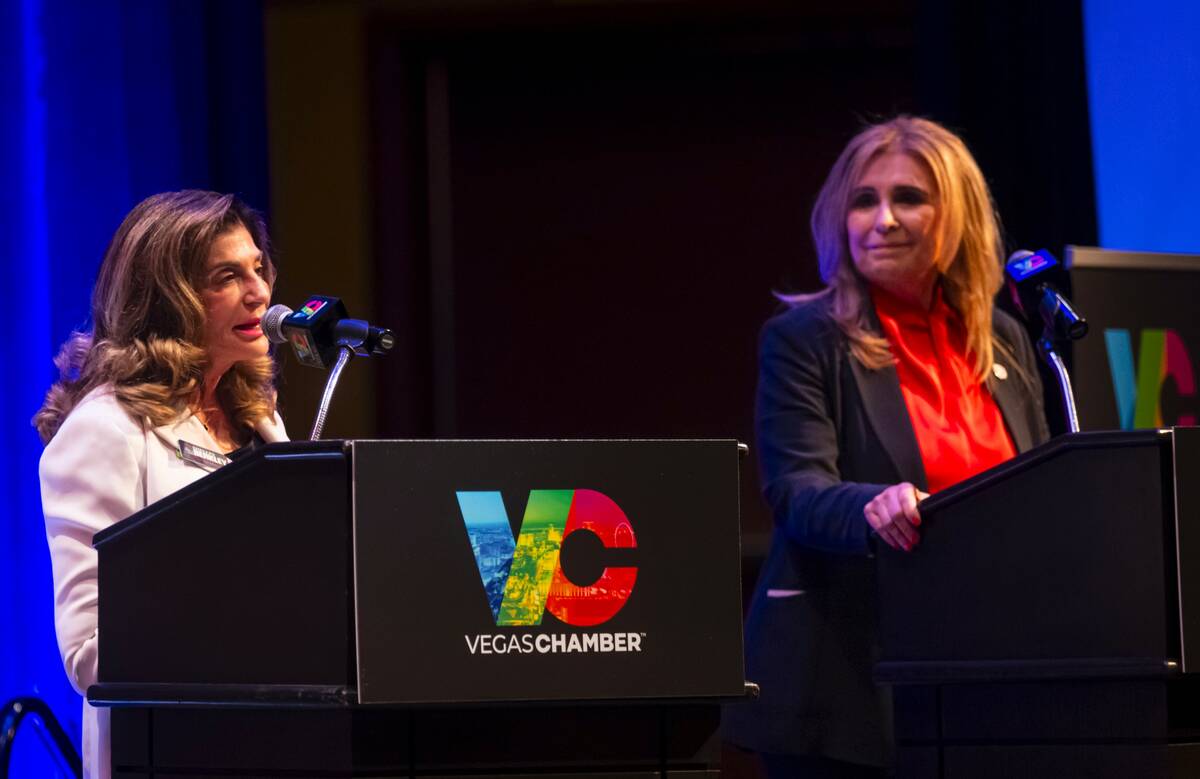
[1066,553]
[241,578]
[546,570]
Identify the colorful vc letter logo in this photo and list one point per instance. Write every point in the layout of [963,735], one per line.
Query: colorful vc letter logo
[523,578]
[1161,355]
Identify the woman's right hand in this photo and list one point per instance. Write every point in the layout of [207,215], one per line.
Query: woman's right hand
[893,515]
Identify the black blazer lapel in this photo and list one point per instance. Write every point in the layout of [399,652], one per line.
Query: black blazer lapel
[1015,386]
[880,393]
[1010,395]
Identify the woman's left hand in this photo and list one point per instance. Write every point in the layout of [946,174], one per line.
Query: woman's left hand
[893,515]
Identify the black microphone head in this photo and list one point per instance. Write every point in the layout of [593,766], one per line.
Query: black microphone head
[272,323]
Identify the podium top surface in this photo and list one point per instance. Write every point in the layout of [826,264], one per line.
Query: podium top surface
[337,447]
[1055,447]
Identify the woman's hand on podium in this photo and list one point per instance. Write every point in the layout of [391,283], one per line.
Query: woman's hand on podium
[893,515]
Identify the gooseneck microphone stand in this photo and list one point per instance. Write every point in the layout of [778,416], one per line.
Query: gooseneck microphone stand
[1061,324]
[1050,354]
[335,373]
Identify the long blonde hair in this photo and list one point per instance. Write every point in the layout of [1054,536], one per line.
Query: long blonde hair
[147,331]
[970,251]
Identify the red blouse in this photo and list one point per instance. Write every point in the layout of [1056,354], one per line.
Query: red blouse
[959,429]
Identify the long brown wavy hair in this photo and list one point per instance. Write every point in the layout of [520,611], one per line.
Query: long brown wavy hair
[970,249]
[147,336]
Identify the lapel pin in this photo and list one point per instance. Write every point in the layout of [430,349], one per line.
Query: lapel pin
[999,371]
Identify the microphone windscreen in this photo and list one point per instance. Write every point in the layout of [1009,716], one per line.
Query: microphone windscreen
[272,323]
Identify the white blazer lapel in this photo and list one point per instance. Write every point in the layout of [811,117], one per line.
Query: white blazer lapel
[187,428]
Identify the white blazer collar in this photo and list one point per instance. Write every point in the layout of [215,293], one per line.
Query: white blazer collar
[189,428]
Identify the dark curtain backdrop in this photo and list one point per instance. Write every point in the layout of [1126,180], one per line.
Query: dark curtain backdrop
[580,216]
[104,103]
[1012,76]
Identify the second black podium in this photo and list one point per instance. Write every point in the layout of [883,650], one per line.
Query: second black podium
[1049,622]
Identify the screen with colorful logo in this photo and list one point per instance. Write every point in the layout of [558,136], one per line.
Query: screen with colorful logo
[1135,367]
[547,570]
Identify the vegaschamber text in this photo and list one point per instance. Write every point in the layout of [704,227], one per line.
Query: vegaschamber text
[552,643]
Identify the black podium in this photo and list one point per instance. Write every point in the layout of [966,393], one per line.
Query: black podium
[406,608]
[1049,622]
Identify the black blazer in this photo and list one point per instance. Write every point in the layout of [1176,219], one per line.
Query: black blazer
[832,435]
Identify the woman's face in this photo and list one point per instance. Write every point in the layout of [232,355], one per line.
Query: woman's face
[235,293]
[891,225]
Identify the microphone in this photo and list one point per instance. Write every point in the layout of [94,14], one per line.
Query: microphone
[321,328]
[1031,277]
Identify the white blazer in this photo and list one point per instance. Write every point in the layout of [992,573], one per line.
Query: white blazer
[99,468]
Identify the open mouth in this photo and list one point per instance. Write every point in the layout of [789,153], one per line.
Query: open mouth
[249,328]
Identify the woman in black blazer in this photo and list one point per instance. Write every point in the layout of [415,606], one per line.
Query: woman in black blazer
[848,420]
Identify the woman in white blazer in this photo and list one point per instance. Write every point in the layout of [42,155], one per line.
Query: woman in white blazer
[174,375]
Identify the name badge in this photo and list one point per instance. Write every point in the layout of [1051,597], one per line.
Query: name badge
[198,455]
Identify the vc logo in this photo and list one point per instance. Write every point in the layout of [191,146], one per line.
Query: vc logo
[523,578]
[1161,355]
